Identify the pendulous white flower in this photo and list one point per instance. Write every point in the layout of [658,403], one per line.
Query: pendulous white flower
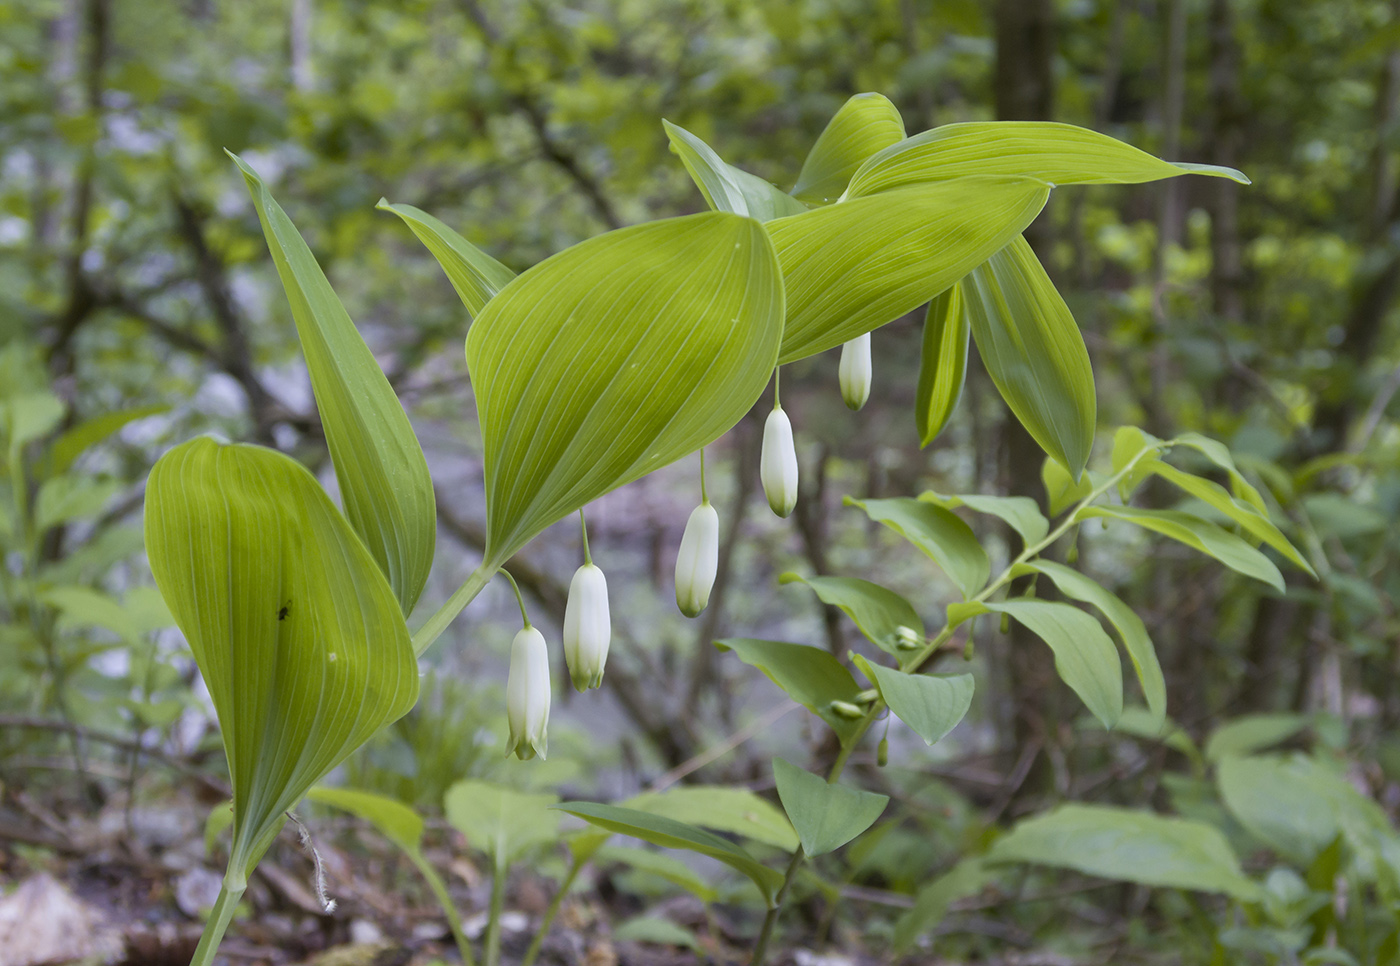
[777,466]
[698,560]
[527,695]
[587,627]
[855,371]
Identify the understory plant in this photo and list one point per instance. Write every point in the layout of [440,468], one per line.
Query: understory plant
[625,353]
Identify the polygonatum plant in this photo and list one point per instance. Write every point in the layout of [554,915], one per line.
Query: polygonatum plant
[620,355]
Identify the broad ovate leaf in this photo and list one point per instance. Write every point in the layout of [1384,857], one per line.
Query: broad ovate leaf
[931,704]
[879,612]
[826,815]
[298,634]
[725,187]
[384,482]
[812,677]
[852,267]
[1129,626]
[942,363]
[1031,346]
[500,821]
[1020,513]
[938,532]
[866,123]
[1085,657]
[475,275]
[1054,152]
[1129,845]
[616,357]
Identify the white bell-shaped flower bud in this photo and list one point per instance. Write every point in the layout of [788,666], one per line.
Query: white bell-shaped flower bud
[777,466]
[855,371]
[527,695]
[587,627]
[698,560]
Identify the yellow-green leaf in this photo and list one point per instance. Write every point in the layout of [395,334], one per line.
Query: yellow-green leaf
[942,363]
[474,274]
[618,356]
[1249,519]
[1034,353]
[384,482]
[1054,152]
[1200,534]
[866,123]
[725,187]
[852,267]
[292,623]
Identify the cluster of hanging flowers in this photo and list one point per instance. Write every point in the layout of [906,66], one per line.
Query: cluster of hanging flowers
[587,621]
[587,634]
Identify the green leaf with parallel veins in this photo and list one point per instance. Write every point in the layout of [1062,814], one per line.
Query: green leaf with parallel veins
[1131,846]
[475,275]
[296,630]
[1018,512]
[942,363]
[616,357]
[811,676]
[670,834]
[725,187]
[826,816]
[1033,351]
[1054,152]
[852,267]
[877,611]
[1085,657]
[866,123]
[939,533]
[721,808]
[384,482]
[1199,534]
[501,821]
[1249,519]
[1130,627]
[931,704]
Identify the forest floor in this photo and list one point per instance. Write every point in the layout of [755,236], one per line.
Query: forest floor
[114,886]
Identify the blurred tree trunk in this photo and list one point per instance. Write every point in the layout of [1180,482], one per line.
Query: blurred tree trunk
[1025,91]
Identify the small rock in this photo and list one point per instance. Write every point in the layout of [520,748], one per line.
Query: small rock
[42,923]
[804,957]
[197,890]
[364,932]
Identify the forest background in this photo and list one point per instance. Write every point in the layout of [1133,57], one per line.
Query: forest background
[134,282]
